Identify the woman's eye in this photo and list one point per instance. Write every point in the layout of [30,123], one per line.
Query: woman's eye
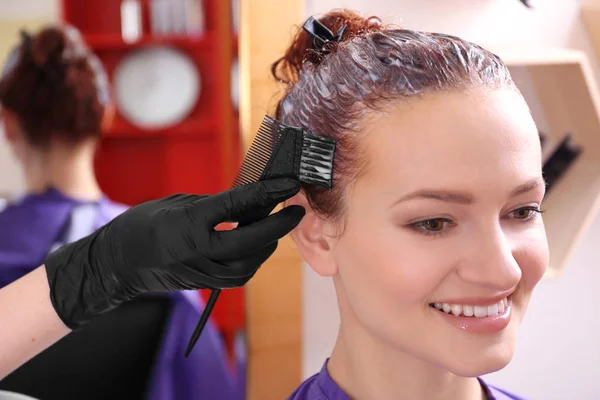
[431,226]
[526,213]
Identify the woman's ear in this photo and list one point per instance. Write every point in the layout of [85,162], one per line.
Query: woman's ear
[311,238]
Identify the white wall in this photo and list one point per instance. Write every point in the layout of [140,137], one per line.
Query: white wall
[558,357]
[29,9]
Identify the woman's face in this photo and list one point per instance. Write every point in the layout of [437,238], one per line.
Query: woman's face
[445,216]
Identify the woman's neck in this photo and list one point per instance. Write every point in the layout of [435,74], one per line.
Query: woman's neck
[367,368]
[66,168]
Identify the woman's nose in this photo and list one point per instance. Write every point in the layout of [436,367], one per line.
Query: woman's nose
[490,261]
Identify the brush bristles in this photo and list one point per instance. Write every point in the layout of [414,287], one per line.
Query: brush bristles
[260,152]
[316,163]
[316,160]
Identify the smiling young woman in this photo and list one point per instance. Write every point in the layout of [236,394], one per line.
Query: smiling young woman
[432,234]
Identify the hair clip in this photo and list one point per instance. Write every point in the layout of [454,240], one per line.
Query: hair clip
[321,35]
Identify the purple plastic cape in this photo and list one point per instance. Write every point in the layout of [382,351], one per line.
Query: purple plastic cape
[322,387]
[37,224]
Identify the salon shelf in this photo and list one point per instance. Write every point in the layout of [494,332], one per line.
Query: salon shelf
[103,42]
[539,56]
[590,14]
[563,96]
[123,129]
[116,42]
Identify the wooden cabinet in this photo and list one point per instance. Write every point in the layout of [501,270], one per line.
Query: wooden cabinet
[274,295]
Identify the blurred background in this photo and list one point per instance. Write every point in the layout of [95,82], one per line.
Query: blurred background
[190,80]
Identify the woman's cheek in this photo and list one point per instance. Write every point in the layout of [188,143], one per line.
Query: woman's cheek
[533,258]
[392,263]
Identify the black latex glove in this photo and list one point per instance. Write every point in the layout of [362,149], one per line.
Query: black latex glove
[169,245]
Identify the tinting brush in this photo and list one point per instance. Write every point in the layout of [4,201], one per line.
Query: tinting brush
[278,151]
[284,151]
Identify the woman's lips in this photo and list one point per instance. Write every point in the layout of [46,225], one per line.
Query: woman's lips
[476,318]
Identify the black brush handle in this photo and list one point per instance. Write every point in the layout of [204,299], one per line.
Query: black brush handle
[212,300]
[214,295]
[526,3]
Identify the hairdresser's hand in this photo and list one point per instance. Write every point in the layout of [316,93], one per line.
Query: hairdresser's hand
[169,245]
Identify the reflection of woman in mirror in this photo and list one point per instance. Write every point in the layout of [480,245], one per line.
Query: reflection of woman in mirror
[56,104]
[432,233]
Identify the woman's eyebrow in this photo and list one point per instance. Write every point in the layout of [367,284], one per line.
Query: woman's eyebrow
[438,194]
[528,187]
[451,196]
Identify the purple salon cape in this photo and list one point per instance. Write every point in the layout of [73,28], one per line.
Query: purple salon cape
[321,387]
[37,224]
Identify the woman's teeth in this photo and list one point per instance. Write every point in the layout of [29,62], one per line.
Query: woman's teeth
[473,311]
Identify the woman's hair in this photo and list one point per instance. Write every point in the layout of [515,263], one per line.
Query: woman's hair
[55,86]
[330,90]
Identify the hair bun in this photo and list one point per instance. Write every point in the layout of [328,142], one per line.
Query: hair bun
[287,68]
[56,86]
[47,47]
[356,24]
[54,47]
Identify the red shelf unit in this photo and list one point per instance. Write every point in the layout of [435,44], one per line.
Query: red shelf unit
[198,155]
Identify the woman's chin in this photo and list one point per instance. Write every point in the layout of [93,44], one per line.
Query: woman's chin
[486,362]
[479,354]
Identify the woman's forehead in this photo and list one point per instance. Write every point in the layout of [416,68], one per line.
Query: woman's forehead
[454,133]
